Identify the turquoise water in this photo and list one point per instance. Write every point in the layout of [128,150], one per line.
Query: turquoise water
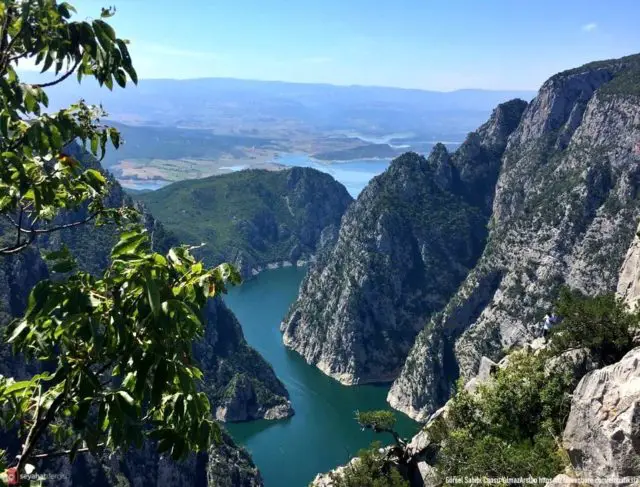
[354,175]
[322,434]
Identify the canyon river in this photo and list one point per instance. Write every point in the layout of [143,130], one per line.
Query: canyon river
[323,433]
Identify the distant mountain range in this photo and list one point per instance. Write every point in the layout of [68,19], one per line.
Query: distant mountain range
[243,123]
[246,106]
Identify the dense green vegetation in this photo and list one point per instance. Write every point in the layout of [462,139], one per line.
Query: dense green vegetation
[606,63]
[376,466]
[122,349]
[509,426]
[512,424]
[114,346]
[626,83]
[369,469]
[267,216]
[603,324]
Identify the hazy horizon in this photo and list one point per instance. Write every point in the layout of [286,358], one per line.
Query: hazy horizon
[339,85]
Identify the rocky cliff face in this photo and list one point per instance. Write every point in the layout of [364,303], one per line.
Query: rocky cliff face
[230,466]
[224,465]
[254,219]
[565,211]
[629,280]
[602,435]
[18,274]
[402,250]
[241,385]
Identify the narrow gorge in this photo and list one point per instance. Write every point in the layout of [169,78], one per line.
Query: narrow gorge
[240,384]
[402,250]
[565,212]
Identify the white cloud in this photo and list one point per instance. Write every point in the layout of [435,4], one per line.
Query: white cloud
[590,27]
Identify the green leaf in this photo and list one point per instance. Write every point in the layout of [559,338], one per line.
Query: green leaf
[164,445]
[18,386]
[18,330]
[114,135]
[129,244]
[4,124]
[30,102]
[159,383]
[153,294]
[81,414]
[103,417]
[178,449]
[173,257]
[96,179]
[132,73]
[101,34]
[94,145]
[121,78]
[55,137]
[105,28]
[141,374]
[108,81]
[127,397]
[106,13]
[74,450]
[47,63]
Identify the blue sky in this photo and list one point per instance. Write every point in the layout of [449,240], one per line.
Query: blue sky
[427,44]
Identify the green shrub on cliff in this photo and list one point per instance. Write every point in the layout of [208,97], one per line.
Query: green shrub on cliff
[509,426]
[603,324]
[370,469]
[376,466]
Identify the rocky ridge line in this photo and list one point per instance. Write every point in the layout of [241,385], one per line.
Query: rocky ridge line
[402,250]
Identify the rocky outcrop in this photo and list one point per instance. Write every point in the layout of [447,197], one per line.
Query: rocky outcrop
[230,466]
[254,218]
[602,435]
[224,465]
[565,211]
[425,447]
[327,479]
[402,250]
[241,385]
[629,281]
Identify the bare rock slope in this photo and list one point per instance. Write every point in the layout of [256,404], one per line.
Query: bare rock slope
[403,248]
[565,212]
[602,435]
